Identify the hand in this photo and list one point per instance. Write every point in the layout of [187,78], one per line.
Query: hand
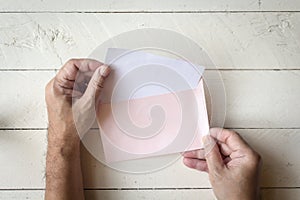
[61,90]
[232,165]
[72,98]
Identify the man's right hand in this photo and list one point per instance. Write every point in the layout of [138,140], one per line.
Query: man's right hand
[233,166]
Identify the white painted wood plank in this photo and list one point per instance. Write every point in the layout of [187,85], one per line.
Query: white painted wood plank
[254,99]
[23,153]
[22,159]
[279,150]
[262,99]
[281,166]
[21,195]
[206,194]
[267,194]
[22,98]
[278,194]
[154,5]
[232,40]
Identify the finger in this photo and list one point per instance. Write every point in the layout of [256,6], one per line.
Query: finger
[71,67]
[200,165]
[224,148]
[226,160]
[68,92]
[199,154]
[76,94]
[233,140]
[96,83]
[63,82]
[212,154]
[67,74]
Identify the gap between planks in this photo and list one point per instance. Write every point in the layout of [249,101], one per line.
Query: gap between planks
[147,12]
[144,189]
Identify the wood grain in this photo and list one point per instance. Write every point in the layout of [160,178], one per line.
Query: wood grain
[254,99]
[151,194]
[254,43]
[22,99]
[23,153]
[148,6]
[267,194]
[232,40]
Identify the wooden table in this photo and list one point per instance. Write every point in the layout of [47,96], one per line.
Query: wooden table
[255,45]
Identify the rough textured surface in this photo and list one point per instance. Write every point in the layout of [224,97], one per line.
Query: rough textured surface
[232,40]
[149,6]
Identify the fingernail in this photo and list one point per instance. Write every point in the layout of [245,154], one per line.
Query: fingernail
[105,70]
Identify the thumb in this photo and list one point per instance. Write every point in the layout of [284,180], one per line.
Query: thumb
[95,85]
[212,154]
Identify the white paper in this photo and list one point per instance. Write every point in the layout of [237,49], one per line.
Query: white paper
[137,74]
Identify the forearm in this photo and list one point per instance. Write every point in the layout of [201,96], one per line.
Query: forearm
[63,170]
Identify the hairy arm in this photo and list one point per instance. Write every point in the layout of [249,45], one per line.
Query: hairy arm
[63,169]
